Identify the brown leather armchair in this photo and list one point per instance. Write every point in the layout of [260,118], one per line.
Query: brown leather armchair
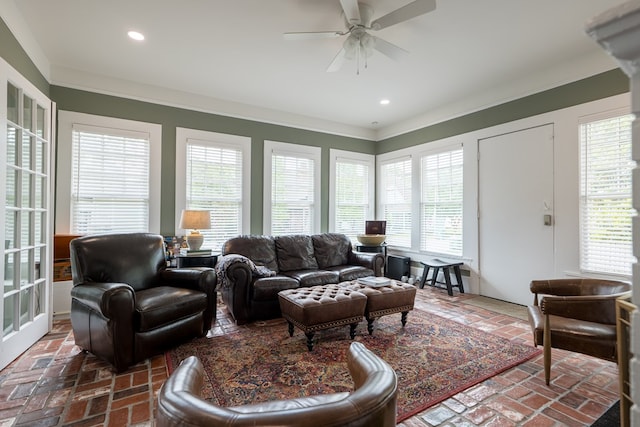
[371,404]
[577,315]
[127,306]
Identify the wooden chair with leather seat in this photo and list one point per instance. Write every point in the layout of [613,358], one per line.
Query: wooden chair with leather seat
[578,315]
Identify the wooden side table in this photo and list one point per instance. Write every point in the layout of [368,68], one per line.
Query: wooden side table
[446,271]
[381,249]
[197,261]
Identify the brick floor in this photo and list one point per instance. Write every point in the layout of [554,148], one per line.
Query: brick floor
[55,384]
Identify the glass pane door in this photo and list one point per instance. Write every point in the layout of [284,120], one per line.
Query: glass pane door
[26,266]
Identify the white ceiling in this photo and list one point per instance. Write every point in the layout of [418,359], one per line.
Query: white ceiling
[229,56]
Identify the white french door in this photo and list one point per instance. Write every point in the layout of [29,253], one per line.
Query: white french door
[25,165]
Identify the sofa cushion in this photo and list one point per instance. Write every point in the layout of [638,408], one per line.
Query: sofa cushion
[331,249]
[314,277]
[259,249]
[267,288]
[163,305]
[295,252]
[351,272]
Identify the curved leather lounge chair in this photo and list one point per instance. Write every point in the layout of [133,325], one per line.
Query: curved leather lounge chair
[371,404]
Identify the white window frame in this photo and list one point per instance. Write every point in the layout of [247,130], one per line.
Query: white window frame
[218,140]
[369,160]
[305,151]
[400,156]
[584,269]
[66,121]
[434,152]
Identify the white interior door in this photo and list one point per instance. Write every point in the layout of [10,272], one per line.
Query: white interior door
[25,269]
[515,196]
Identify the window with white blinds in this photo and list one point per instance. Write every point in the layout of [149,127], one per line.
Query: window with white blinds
[395,181]
[292,186]
[213,173]
[214,183]
[605,196]
[108,174]
[352,182]
[441,203]
[110,180]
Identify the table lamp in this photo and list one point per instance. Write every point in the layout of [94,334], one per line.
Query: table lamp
[195,220]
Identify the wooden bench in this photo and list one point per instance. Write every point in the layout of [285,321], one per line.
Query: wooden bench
[446,267]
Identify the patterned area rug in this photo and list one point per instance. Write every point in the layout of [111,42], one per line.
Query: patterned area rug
[433,357]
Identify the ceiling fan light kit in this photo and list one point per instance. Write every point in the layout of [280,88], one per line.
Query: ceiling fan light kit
[359,43]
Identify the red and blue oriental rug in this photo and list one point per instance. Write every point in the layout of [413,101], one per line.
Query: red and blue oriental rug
[434,358]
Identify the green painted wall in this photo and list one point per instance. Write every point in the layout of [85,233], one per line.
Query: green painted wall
[12,52]
[596,87]
[600,86]
[171,117]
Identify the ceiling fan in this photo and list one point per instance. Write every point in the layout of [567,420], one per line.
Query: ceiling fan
[359,43]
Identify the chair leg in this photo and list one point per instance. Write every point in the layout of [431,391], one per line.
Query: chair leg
[546,345]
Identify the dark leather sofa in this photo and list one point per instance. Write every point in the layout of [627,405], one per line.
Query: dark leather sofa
[372,403]
[253,269]
[127,306]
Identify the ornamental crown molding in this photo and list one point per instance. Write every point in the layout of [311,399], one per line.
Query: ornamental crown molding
[618,31]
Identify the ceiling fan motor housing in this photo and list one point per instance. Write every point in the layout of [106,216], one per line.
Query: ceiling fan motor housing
[366,14]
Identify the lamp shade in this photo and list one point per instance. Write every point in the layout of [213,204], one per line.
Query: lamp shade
[195,219]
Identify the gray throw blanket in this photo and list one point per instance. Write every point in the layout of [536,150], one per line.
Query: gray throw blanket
[225,261]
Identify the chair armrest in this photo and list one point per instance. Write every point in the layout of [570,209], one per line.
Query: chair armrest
[374,261]
[112,300]
[564,287]
[197,278]
[590,308]
[179,399]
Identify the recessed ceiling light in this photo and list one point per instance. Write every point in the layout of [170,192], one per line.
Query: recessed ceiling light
[384,102]
[135,35]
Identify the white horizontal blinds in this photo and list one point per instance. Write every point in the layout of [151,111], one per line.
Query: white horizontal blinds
[441,203]
[396,201]
[292,193]
[110,180]
[605,196]
[214,183]
[352,196]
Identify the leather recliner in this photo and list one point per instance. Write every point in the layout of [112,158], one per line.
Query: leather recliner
[371,404]
[126,306]
[577,315]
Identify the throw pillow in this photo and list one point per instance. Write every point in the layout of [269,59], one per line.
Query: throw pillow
[331,249]
[295,253]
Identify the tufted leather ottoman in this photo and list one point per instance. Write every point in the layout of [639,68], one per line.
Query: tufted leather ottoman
[396,297]
[321,307]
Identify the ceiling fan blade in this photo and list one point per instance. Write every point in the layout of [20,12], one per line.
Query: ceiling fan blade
[389,49]
[351,11]
[336,64]
[411,10]
[312,35]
